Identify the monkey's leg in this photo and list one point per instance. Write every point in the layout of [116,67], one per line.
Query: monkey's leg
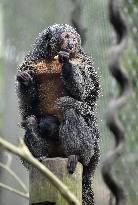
[79,145]
[33,140]
[66,102]
[76,139]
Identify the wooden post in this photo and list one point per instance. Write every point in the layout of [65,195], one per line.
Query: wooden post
[43,193]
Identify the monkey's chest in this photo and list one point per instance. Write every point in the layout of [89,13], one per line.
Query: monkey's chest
[50,86]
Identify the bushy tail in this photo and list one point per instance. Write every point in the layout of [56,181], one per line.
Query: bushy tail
[88,174]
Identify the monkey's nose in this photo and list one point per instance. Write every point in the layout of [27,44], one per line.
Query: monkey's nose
[70,45]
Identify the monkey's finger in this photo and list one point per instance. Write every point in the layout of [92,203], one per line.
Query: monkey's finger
[63,57]
[23,77]
[64,54]
[56,57]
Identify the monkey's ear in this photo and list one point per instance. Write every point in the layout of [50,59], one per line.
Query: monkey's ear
[48,35]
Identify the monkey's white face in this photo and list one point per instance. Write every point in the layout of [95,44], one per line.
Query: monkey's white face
[70,42]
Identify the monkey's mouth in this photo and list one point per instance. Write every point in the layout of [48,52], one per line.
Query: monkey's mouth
[70,46]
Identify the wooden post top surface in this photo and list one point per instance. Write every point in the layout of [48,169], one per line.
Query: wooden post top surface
[44,193]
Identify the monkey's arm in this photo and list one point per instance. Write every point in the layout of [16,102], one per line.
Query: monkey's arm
[26,91]
[79,82]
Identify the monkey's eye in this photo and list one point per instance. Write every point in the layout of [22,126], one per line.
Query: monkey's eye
[67,35]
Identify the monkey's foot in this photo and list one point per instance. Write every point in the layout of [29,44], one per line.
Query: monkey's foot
[72,163]
[24,77]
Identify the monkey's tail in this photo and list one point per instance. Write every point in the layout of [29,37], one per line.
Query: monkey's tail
[113,122]
[88,174]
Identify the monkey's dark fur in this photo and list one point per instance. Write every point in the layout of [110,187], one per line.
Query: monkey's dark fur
[57,99]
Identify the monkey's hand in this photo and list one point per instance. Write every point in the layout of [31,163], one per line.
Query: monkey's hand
[24,77]
[63,57]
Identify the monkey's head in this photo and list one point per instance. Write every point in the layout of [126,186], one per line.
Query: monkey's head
[56,38]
